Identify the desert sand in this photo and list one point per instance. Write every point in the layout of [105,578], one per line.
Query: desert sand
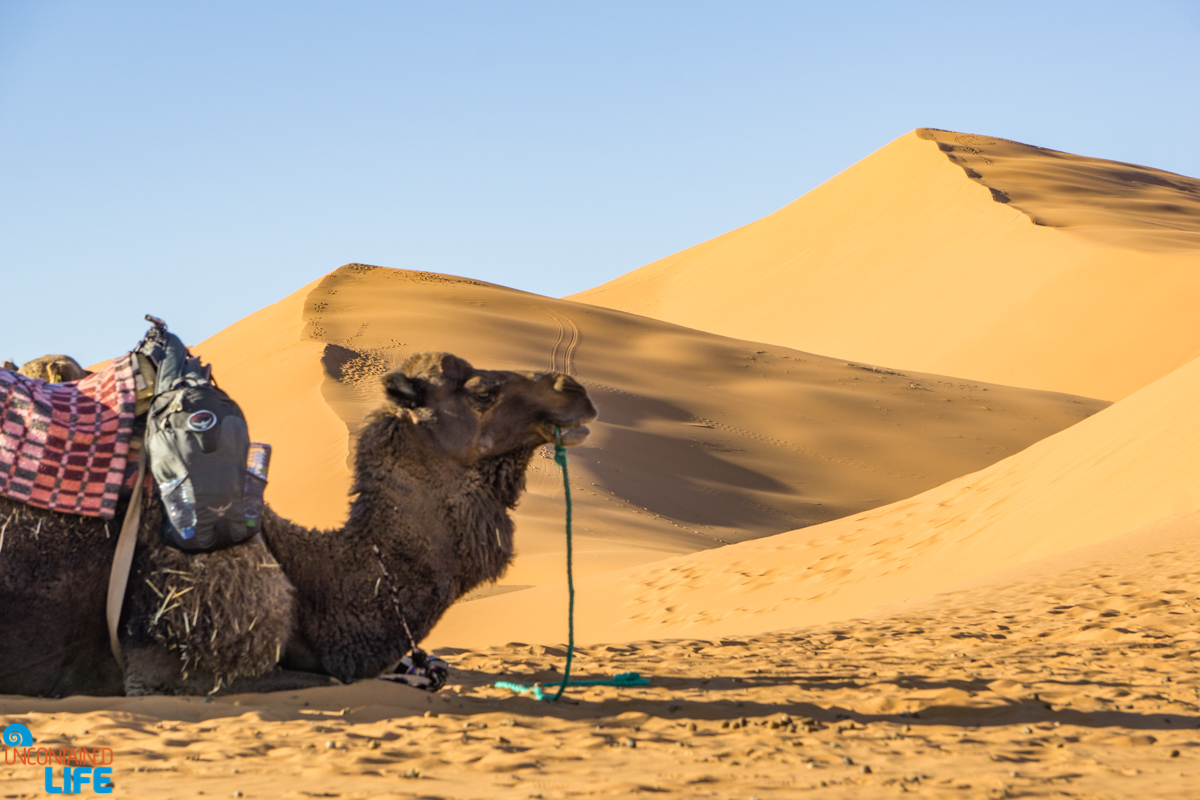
[1071,677]
[960,255]
[875,571]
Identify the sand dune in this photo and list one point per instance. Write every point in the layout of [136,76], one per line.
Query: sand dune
[702,440]
[1132,464]
[960,255]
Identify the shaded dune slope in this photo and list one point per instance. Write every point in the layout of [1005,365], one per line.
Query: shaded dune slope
[1111,202]
[702,440]
[1128,466]
[960,255]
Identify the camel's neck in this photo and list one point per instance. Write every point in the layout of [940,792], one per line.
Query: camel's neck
[415,503]
[442,529]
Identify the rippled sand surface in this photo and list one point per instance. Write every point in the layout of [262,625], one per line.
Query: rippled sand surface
[1071,678]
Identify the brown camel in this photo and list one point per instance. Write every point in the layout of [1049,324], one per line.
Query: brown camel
[55,369]
[437,469]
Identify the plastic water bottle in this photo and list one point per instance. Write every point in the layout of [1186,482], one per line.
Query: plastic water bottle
[258,461]
[180,501]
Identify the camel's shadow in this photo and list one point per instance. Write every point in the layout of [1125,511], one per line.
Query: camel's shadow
[675,698]
[682,699]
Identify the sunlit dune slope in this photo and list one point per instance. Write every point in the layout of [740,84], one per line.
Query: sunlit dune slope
[273,371]
[1136,462]
[702,440]
[961,255]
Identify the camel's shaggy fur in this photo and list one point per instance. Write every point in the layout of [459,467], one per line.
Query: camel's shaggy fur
[437,470]
[55,369]
[226,614]
[53,579]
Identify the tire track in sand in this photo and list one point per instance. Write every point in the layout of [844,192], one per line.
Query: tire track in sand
[563,323]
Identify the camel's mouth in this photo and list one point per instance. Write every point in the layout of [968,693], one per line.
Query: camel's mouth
[571,434]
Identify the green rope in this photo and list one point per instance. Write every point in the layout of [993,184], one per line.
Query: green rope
[560,458]
[536,690]
[538,693]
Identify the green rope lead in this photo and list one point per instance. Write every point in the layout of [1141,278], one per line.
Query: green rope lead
[560,458]
[538,693]
[625,678]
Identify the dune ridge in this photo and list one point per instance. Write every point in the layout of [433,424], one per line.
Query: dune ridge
[1112,202]
[905,260]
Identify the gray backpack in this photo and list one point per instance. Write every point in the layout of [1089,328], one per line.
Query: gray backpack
[210,477]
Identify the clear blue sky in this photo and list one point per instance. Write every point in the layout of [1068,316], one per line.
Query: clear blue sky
[199,160]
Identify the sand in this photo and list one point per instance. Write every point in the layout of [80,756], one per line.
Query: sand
[1072,678]
[1045,269]
[702,440]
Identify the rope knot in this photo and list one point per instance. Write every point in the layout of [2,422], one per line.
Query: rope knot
[560,450]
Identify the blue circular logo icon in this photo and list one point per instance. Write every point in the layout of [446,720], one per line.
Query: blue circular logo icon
[17,735]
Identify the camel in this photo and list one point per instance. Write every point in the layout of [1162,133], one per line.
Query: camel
[437,469]
[55,369]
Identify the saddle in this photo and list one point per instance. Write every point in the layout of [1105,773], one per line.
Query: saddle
[73,447]
[66,446]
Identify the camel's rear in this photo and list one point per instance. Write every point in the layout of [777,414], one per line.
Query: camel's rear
[64,463]
[53,580]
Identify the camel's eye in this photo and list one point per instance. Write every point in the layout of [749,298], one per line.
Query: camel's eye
[483,391]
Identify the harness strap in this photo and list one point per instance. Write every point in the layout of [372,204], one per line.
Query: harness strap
[420,658]
[118,578]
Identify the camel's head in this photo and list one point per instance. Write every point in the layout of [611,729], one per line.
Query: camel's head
[472,414]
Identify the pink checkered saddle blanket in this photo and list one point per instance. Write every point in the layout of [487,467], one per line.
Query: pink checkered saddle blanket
[65,446]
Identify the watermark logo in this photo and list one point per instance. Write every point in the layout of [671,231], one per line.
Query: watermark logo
[17,735]
[69,770]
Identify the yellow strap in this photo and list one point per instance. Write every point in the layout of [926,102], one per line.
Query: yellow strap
[118,578]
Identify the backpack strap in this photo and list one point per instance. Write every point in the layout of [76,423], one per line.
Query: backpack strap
[118,578]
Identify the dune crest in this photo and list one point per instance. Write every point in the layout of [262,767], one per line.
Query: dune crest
[1111,202]
[911,258]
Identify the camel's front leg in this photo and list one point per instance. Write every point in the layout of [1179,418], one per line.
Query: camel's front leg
[151,669]
[279,680]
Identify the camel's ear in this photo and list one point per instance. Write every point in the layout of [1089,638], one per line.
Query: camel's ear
[402,390]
